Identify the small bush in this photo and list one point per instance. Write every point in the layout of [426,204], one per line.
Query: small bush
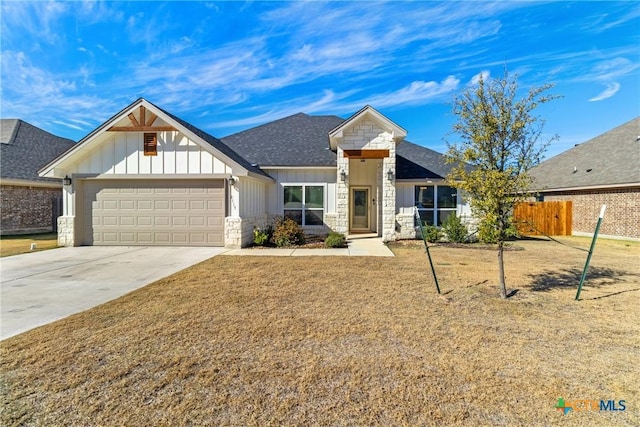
[455,230]
[335,240]
[286,232]
[261,236]
[431,233]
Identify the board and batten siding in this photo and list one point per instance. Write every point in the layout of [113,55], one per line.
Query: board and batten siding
[122,153]
[252,197]
[275,192]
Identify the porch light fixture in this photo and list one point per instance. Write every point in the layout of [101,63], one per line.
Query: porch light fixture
[390,175]
[343,175]
[66,180]
[232,181]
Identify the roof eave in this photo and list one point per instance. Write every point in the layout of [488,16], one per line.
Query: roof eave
[54,169]
[587,187]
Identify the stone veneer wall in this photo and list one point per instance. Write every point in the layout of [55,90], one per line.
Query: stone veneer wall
[368,135]
[405,226]
[27,209]
[341,220]
[622,218]
[238,232]
[66,230]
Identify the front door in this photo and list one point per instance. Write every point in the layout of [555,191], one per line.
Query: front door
[360,212]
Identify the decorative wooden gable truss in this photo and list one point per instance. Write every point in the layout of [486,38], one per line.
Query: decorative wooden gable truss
[142,123]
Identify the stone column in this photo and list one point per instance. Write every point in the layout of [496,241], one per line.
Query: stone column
[389,194]
[342,194]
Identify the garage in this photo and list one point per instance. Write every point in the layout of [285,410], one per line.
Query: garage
[153,212]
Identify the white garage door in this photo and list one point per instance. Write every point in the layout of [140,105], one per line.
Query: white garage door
[140,212]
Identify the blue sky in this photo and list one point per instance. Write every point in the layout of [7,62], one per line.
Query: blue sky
[228,66]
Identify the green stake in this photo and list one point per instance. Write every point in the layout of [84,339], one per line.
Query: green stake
[593,244]
[426,246]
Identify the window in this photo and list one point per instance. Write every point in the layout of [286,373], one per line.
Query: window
[150,144]
[435,203]
[304,204]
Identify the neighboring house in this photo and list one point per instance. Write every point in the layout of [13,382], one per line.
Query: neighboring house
[29,203]
[602,171]
[147,177]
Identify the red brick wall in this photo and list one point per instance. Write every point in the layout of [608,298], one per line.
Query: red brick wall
[621,219]
[26,209]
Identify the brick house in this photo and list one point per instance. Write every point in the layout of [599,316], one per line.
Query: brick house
[28,202]
[602,171]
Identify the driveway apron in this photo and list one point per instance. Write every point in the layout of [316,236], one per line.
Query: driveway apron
[38,288]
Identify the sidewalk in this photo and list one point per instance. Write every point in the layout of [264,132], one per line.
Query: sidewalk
[356,247]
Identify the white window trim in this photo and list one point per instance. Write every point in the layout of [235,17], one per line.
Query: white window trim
[435,207]
[303,185]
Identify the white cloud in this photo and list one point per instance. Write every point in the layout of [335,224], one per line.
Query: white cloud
[613,68]
[611,90]
[476,79]
[69,125]
[608,72]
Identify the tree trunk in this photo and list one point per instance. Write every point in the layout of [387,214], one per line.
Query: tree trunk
[503,286]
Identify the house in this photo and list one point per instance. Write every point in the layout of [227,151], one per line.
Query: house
[602,171]
[28,203]
[147,177]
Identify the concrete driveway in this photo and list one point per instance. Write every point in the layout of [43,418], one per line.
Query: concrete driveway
[38,288]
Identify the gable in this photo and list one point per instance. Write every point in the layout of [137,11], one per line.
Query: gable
[367,122]
[117,148]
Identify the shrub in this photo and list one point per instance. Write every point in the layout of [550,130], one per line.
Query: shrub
[335,240]
[431,233]
[455,230]
[286,232]
[261,236]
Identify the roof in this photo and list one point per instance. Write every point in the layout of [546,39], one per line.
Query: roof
[298,140]
[417,162]
[303,140]
[216,143]
[204,136]
[26,148]
[608,160]
[368,111]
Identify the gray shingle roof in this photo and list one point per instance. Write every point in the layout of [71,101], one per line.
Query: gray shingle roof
[418,162]
[610,159]
[303,140]
[298,140]
[210,139]
[216,143]
[26,148]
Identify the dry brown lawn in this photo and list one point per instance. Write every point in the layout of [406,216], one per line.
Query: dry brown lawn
[14,245]
[344,341]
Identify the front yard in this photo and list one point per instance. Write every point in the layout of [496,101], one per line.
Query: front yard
[345,341]
[15,245]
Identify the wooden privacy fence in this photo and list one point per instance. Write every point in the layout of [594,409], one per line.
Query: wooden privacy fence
[540,218]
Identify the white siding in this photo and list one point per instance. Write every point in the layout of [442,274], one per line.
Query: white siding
[405,194]
[252,197]
[275,192]
[122,153]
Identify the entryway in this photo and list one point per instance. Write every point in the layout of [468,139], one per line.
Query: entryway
[360,208]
